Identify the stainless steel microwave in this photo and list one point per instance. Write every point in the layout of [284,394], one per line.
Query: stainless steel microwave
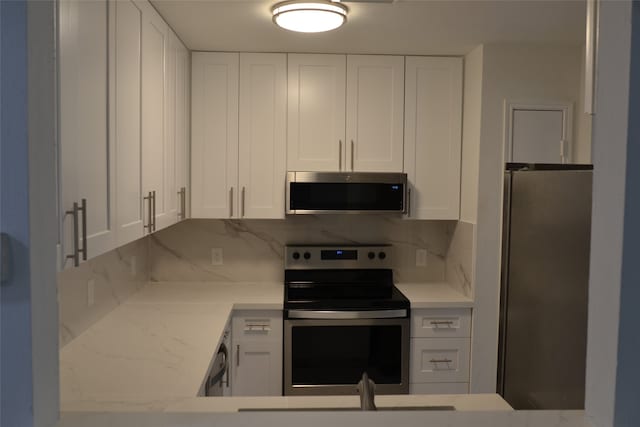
[345,192]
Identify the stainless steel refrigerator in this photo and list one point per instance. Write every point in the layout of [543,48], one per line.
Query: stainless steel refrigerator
[545,274]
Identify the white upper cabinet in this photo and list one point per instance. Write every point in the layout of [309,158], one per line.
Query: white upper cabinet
[182,126]
[316,112]
[214,135]
[262,137]
[238,135]
[125,106]
[375,107]
[85,153]
[345,113]
[433,136]
[158,143]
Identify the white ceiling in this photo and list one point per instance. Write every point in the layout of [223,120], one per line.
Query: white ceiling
[425,27]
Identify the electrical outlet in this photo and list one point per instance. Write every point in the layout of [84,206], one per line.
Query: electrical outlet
[216,256]
[421,257]
[133,265]
[91,285]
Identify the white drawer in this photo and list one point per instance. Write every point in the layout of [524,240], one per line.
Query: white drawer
[439,360]
[439,388]
[441,322]
[257,326]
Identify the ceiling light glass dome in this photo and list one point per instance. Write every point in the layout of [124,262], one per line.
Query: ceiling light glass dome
[309,16]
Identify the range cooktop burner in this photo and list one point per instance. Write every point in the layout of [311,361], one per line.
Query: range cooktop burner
[344,278]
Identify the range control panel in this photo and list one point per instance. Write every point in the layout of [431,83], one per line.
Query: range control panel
[337,257]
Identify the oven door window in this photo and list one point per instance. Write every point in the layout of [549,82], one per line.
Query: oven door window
[335,355]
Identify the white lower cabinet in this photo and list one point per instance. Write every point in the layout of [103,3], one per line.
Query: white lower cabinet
[440,351]
[256,348]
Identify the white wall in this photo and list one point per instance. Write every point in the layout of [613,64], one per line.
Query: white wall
[520,72]
[607,227]
[582,135]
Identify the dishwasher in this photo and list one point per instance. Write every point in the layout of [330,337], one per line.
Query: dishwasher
[217,381]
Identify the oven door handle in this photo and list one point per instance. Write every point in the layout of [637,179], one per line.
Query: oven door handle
[336,314]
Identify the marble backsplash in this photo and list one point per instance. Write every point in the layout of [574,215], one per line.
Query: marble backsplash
[253,249]
[115,276]
[253,252]
[459,261]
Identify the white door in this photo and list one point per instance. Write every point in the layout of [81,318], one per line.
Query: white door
[154,99]
[257,369]
[214,135]
[262,137]
[375,112]
[538,133]
[182,130]
[125,66]
[433,136]
[316,112]
[85,163]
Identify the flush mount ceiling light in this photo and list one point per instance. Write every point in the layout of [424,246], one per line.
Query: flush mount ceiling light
[309,16]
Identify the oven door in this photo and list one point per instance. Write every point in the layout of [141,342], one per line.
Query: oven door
[329,356]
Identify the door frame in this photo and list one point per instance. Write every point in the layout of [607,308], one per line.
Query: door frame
[511,106]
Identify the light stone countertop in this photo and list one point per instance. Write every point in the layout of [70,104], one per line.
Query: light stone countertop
[151,353]
[434,295]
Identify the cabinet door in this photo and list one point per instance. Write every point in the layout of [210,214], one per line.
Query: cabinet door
[316,112]
[182,128]
[375,111]
[85,163]
[433,136]
[257,369]
[125,66]
[214,135]
[154,126]
[262,138]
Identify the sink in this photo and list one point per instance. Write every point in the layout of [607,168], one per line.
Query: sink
[384,408]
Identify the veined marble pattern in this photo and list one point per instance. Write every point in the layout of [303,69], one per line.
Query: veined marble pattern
[459,259]
[116,275]
[253,249]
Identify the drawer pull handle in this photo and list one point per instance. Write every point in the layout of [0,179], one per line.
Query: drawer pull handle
[440,360]
[260,328]
[442,322]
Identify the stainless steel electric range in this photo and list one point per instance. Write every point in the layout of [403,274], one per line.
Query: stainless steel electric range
[343,317]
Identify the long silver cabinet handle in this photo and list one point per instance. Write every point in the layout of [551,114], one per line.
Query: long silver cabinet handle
[182,211]
[442,322]
[340,155]
[231,202]
[84,229]
[238,355]
[154,209]
[242,200]
[409,202]
[149,224]
[352,151]
[75,256]
[440,360]
[184,202]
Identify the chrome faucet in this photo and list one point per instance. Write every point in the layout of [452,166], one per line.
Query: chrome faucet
[366,387]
